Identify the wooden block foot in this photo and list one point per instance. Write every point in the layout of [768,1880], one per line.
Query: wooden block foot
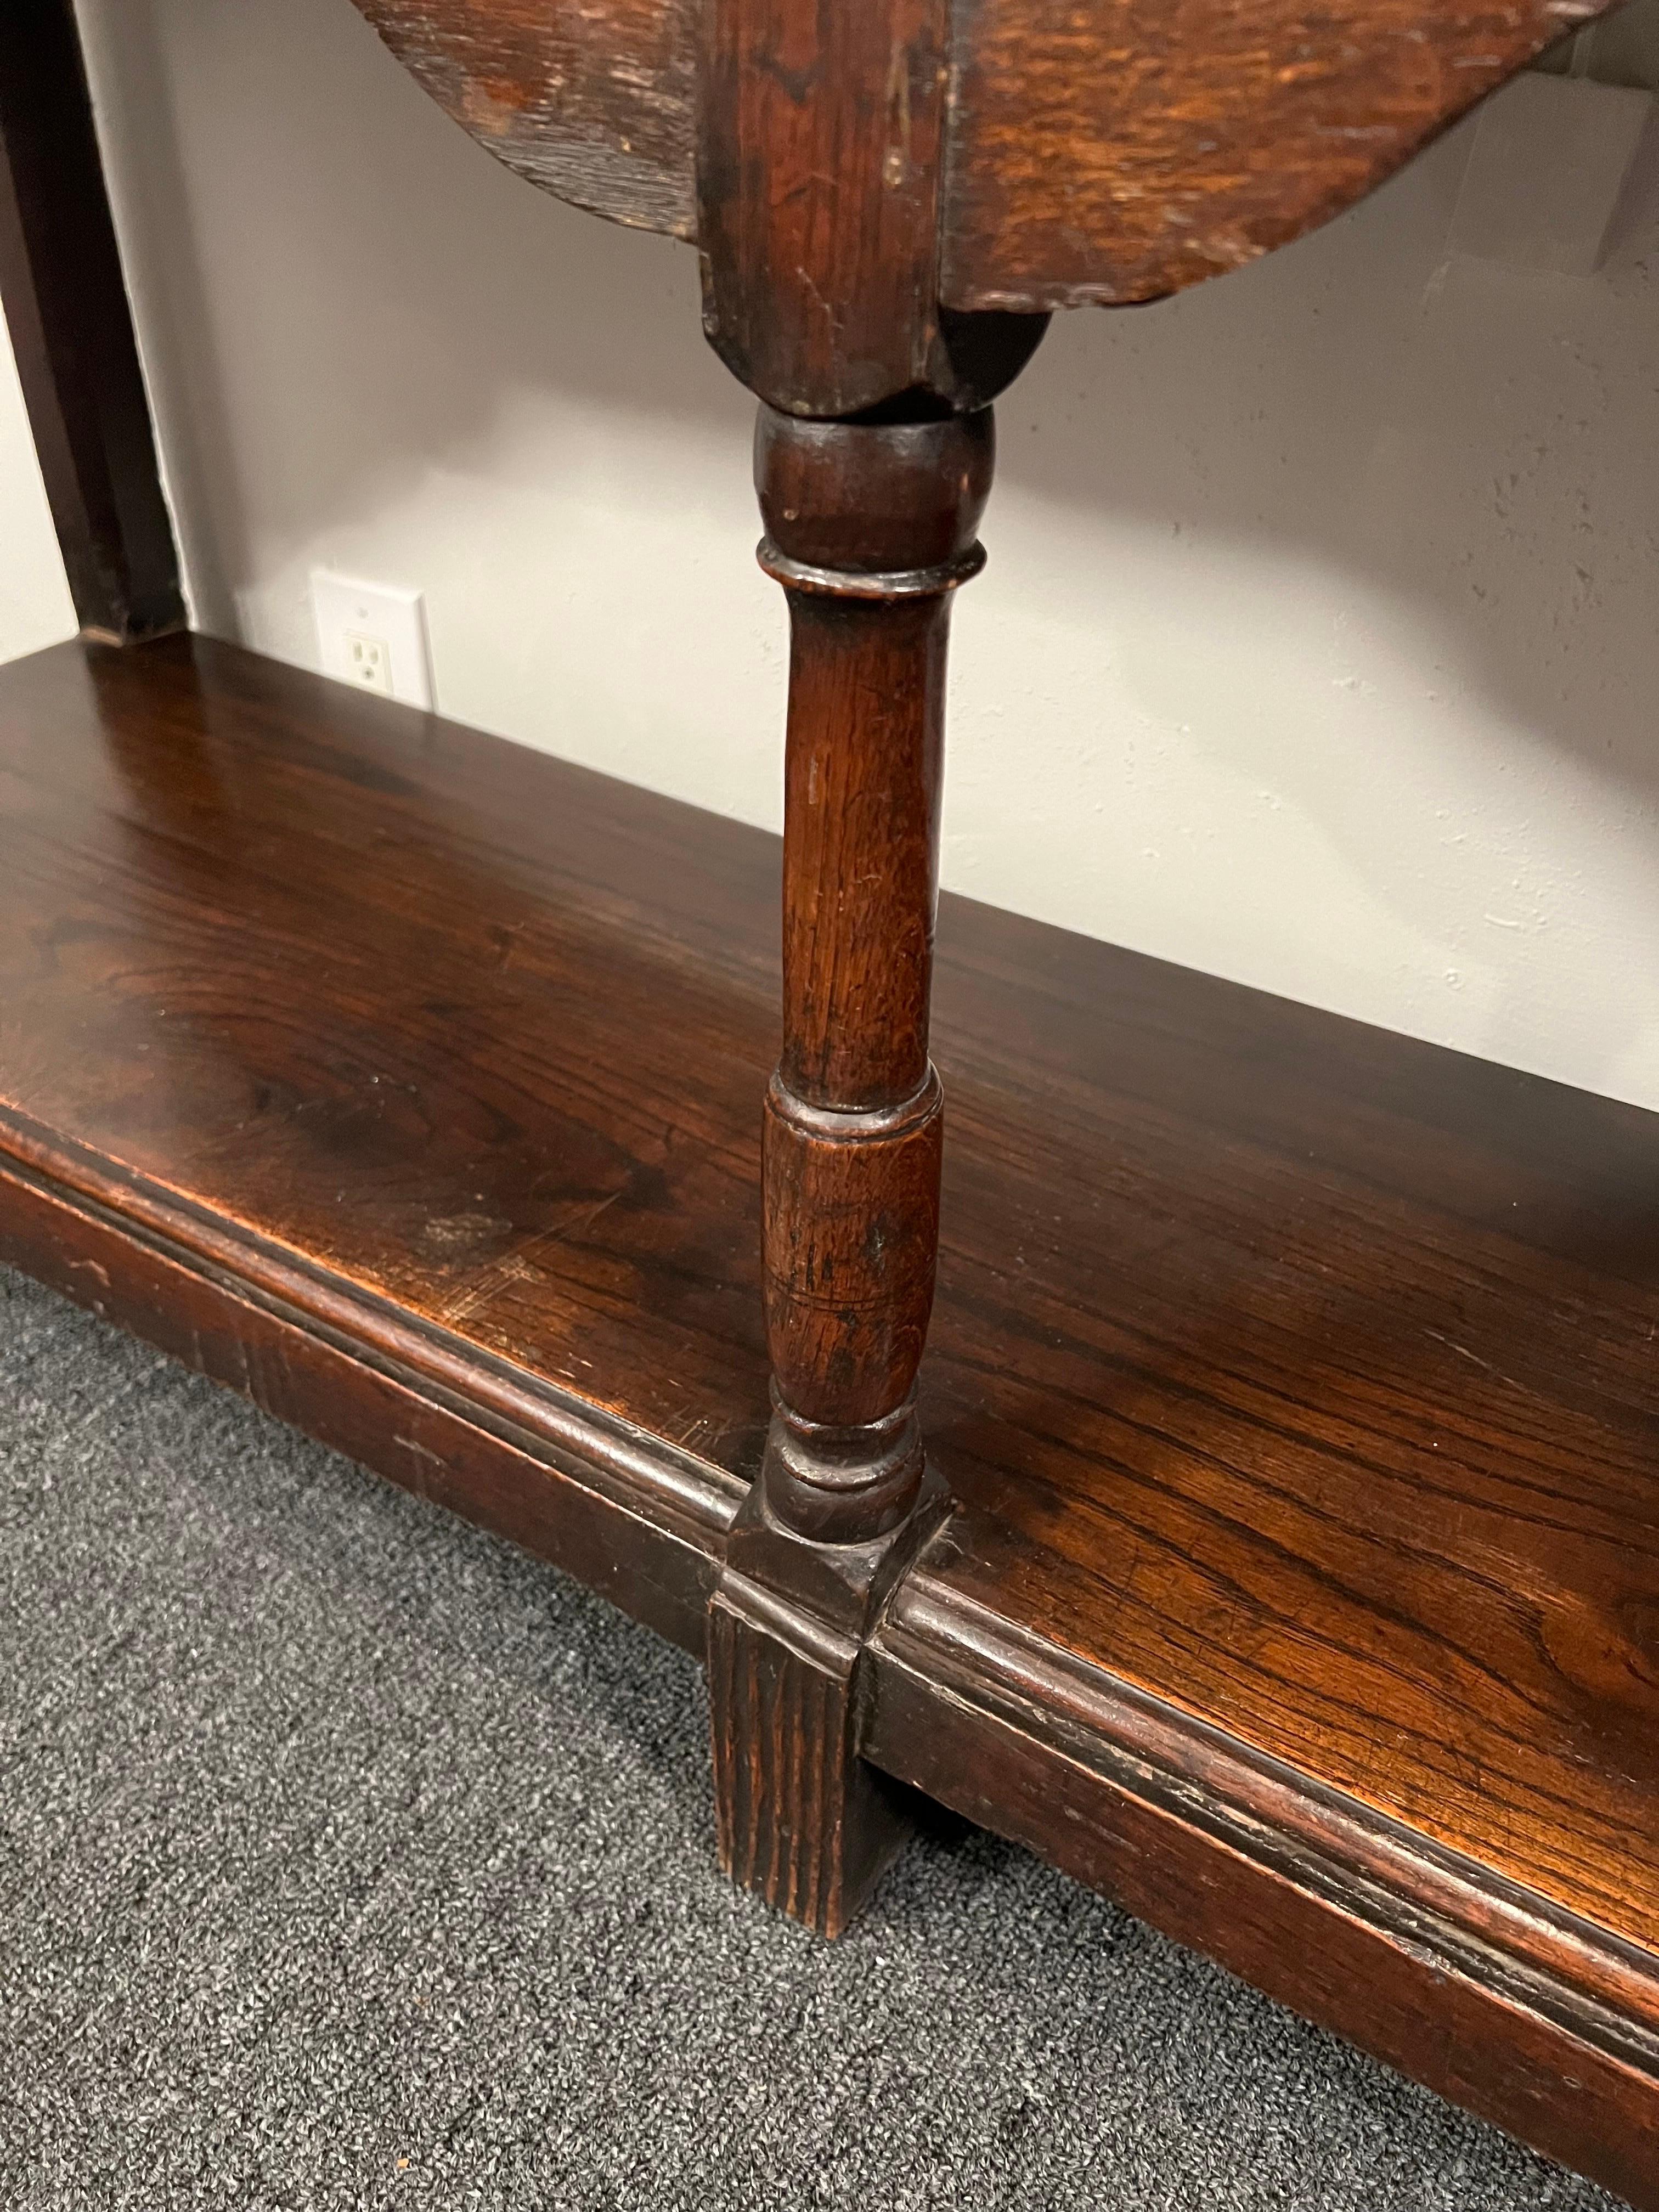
[800,1817]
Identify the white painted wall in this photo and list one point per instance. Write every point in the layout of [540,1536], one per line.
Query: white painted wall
[1317,648]
[34,602]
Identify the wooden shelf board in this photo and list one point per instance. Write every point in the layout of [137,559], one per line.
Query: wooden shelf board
[1297,1381]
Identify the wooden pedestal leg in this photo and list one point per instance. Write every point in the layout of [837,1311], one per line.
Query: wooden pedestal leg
[870,528]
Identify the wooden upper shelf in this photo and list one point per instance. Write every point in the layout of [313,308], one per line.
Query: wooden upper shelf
[1108,150]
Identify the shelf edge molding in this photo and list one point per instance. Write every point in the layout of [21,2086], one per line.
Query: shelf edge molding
[1491,1996]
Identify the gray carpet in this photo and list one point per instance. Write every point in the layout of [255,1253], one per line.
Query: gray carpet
[352,1859]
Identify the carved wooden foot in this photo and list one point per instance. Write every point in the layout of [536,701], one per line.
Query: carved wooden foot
[869,529]
[800,1817]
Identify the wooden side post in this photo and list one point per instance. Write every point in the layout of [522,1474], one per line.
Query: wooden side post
[71,330]
[818,214]
[870,528]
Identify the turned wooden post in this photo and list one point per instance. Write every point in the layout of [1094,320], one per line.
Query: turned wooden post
[870,528]
[819,164]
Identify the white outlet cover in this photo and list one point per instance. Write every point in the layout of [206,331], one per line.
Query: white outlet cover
[346,607]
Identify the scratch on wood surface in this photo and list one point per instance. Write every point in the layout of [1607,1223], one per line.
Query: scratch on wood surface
[1473,1358]
[517,1266]
[1463,1351]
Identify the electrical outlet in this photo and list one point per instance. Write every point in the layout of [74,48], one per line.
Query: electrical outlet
[371,661]
[373,636]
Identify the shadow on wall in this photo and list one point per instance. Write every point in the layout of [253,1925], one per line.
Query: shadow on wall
[1477,445]
[1478,439]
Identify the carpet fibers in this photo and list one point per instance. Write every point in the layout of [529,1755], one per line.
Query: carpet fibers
[350,1859]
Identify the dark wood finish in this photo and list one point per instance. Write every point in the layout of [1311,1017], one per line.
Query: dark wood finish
[1540,2020]
[819,172]
[1005,156]
[847,1303]
[66,310]
[819,214]
[644,1525]
[1122,150]
[267,892]
[820,162]
[1326,1652]
[801,1816]
[1349,1446]
[869,529]
[850,1243]
[595,104]
[1296,1380]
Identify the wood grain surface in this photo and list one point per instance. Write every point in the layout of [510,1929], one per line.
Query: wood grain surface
[800,1817]
[1294,1377]
[642,1524]
[1523,2014]
[818,179]
[1114,150]
[266,905]
[1003,155]
[1299,1372]
[593,99]
[870,528]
